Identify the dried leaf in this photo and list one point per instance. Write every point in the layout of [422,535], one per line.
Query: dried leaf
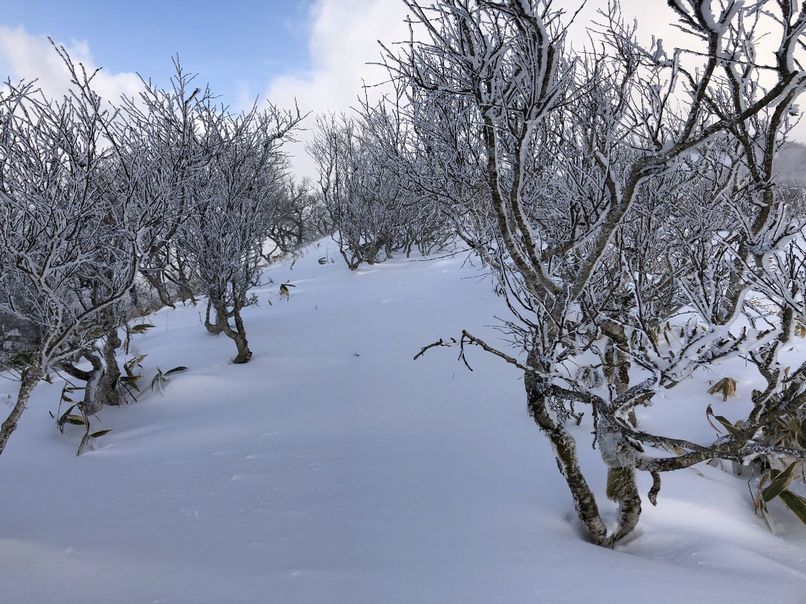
[779,482]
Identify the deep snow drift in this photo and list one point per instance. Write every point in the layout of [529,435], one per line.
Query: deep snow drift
[334,468]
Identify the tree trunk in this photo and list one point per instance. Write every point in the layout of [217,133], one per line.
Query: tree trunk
[619,457]
[217,327]
[30,378]
[92,403]
[239,335]
[624,491]
[616,452]
[159,287]
[185,289]
[567,462]
[617,364]
[108,393]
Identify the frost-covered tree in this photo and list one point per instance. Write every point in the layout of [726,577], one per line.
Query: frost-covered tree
[71,233]
[362,196]
[236,201]
[154,143]
[163,132]
[580,177]
[374,206]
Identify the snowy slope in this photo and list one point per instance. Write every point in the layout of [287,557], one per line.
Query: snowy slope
[334,468]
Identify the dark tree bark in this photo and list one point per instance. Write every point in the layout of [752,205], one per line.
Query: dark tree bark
[216,327]
[222,325]
[108,393]
[239,335]
[30,378]
[567,461]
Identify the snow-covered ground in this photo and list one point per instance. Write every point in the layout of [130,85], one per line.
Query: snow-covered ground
[334,468]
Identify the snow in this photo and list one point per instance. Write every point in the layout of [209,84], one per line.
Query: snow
[334,468]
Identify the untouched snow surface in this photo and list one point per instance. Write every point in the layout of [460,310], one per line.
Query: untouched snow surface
[334,468]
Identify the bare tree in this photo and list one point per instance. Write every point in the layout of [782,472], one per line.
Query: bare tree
[236,202]
[70,234]
[163,132]
[560,170]
[155,142]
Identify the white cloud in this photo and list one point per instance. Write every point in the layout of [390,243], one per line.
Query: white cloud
[344,38]
[28,56]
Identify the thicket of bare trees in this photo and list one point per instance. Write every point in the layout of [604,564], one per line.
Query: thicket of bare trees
[625,198]
[373,207]
[108,210]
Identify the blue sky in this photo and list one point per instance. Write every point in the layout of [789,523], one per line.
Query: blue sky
[234,45]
